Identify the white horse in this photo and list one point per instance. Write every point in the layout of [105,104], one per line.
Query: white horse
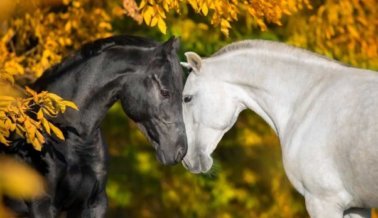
[324,113]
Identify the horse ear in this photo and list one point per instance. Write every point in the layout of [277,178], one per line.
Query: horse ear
[173,44]
[186,65]
[194,61]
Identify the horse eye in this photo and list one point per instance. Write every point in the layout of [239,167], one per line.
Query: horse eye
[164,93]
[187,99]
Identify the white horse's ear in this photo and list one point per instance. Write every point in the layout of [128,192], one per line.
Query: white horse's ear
[194,61]
[185,65]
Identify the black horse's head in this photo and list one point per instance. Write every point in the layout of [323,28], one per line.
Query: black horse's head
[153,101]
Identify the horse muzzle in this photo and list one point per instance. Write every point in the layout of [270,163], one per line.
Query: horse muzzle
[171,157]
[201,164]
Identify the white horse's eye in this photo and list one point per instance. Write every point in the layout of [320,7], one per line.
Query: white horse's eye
[187,99]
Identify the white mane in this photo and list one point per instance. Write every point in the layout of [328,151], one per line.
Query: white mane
[272,47]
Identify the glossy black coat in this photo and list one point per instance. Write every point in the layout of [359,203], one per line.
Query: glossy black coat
[148,80]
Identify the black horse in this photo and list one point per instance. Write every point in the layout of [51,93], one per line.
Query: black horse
[148,80]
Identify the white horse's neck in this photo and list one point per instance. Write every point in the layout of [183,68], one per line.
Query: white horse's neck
[274,83]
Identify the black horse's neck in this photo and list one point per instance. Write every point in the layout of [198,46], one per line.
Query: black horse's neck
[94,77]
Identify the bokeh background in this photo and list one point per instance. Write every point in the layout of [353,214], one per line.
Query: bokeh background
[248,178]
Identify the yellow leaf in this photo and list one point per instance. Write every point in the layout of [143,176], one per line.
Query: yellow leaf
[30,91]
[165,6]
[12,127]
[56,131]
[105,25]
[54,97]
[30,130]
[49,110]
[162,26]
[194,4]
[40,137]
[154,21]
[147,15]
[205,9]
[39,114]
[19,180]
[353,32]
[71,105]
[142,4]
[3,140]
[46,125]
[20,130]
[261,24]
[4,131]
[36,144]
[225,24]
[62,108]
[8,124]
[76,4]
[161,12]
[68,26]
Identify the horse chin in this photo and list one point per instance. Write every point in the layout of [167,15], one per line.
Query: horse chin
[159,154]
[154,144]
[202,165]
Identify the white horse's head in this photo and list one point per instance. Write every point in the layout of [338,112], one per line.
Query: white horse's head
[210,109]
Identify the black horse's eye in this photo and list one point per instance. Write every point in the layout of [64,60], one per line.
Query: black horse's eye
[187,99]
[164,93]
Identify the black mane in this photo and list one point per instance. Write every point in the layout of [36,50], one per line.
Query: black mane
[89,50]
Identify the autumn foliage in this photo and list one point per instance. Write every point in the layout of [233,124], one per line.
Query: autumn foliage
[15,116]
[222,12]
[31,44]
[344,30]
[248,180]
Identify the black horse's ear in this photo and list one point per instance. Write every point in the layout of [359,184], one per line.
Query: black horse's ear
[173,44]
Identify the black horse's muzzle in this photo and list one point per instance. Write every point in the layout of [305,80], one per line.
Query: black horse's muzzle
[167,158]
[172,153]
[168,139]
